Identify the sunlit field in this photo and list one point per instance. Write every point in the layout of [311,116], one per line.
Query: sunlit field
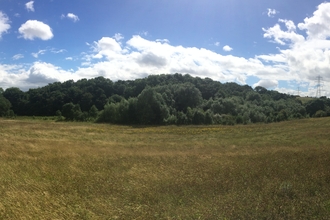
[52,170]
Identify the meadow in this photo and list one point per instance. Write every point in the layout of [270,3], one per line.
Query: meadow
[58,170]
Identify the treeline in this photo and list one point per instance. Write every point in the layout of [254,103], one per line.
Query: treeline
[159,99]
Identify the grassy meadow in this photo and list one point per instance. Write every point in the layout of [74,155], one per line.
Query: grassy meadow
[55,170]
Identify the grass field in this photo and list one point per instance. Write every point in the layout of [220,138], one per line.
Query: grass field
[52,170]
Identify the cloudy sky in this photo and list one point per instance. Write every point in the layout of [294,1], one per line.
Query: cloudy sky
[281,45]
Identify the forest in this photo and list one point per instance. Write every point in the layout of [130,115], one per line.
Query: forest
[159,100]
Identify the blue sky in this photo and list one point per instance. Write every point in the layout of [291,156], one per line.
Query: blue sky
[281,45]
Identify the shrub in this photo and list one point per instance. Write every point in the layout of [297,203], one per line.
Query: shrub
[320,113]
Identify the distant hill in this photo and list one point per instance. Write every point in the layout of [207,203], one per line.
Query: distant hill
[160,99]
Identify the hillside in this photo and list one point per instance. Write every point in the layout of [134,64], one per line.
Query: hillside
[160,99]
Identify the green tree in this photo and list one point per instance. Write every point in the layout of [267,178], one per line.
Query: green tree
[132,111]
[151,107]
[17,99]
[208,117]
[93,112]
[186,95]
[181,118]
[78,115]
[320,113]
[67,111]
[5,106]
[117,113]
[315,105]
[260,90]
[198,117]
[229,106]
[253,96]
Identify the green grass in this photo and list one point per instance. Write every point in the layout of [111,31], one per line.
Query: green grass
[54,170]
[304,100]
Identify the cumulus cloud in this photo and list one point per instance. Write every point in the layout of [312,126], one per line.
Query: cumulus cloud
[35,29]
[227,48]
[12,76]
[283,37]
[150,59]
[140,57]
[306,58]
[107,47]
[29,6]
[267,83]
[317,26]
[37,73]
[4,23]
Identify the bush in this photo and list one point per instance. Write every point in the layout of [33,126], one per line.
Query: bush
[171,120]
[208,118]
[182,118]
[320,113]
[198,117]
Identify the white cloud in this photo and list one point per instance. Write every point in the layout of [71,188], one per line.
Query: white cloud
[29,6]
[271,12]
[166,41]
[118,37]
[298,60]
[40,52]
[318,26]
[144,33]
[275,58]
[44,73]
[227,48]
[53,50]
[4,23]
[141,57]
[73,17]
[289,25]
[266,83]
[70,16]
[36,75]
[217,44]
[107,47]
[280,36]
[35,29]
[18,56]
[306,58]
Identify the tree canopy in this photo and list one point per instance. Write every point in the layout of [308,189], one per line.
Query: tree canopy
[159,99]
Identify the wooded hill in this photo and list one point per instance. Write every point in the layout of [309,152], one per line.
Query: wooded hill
[159,99]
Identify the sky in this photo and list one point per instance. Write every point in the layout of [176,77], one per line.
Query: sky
[281,45]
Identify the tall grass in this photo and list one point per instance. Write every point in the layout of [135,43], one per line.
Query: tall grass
[54,170]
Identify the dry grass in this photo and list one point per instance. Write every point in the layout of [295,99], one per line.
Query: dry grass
[54,170]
